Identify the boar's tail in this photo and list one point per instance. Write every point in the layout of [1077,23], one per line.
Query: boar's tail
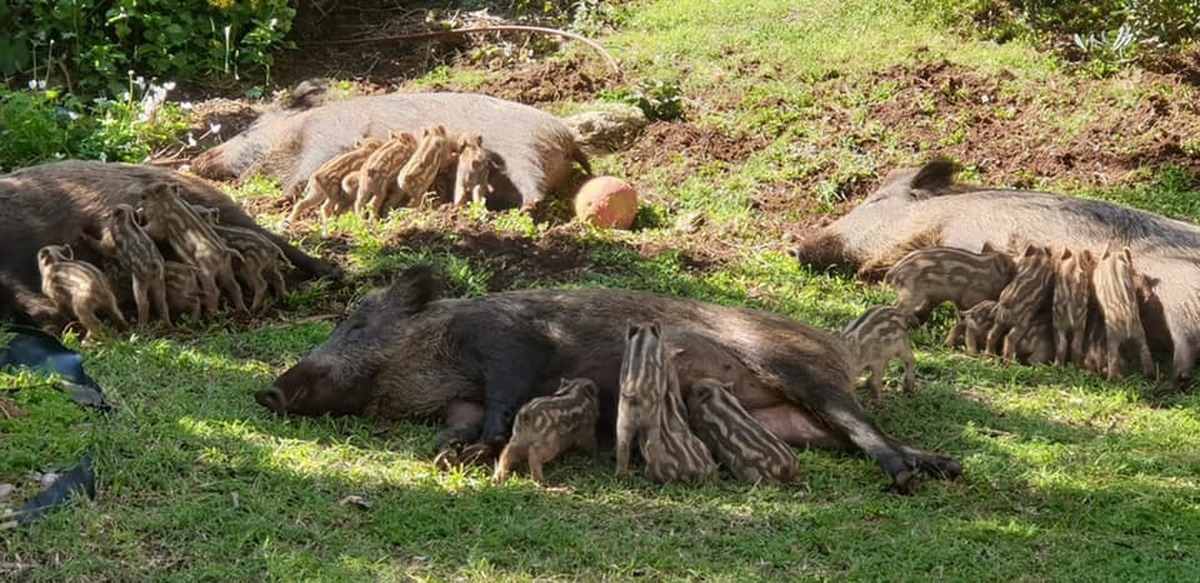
[580,158]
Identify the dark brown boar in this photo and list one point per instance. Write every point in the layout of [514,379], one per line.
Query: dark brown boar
[404,353]
[78,287]
[136,254]
[535,151]
[547,426]
[918,200]
[874,339]
[170,219]
[740,443]
[1116,294]
[1026,298]
[925,278]
[65,202]
[1072,291]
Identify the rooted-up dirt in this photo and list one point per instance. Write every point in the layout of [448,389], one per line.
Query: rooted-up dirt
[1071,130]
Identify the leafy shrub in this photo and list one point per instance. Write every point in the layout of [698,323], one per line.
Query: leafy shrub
[40,124]
[1105,34]
[91,44]
[659,100]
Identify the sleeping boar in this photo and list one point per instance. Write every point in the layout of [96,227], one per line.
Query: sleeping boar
[914,201]
[534,150]
[62,202]
[405,353]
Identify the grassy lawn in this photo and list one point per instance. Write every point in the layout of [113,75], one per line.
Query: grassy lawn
[1066,476]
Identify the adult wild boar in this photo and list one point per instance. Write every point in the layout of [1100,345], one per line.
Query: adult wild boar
[406,353]
[533,151]
[923,204]
[57,203]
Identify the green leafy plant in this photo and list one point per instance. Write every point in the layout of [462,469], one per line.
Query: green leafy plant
[658,99]
[91,44]
[42,124]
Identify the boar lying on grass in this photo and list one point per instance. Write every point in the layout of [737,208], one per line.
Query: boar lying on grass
[406,353]
[912,203]
[535,152]
[67,202]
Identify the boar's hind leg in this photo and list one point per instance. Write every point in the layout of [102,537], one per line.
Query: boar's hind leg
[836,407]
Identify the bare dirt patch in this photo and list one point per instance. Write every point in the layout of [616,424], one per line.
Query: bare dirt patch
[563,253]
[1073,128]
[683,146]
[574,79]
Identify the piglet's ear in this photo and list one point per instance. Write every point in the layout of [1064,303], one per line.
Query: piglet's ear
[415,288]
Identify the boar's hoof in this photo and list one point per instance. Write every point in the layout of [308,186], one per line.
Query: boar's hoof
[936,465]
[478,454]
[901,483]
[448,458]
[453,455]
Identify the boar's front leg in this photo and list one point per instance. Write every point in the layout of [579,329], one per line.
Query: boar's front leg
[464,420]
[511,369]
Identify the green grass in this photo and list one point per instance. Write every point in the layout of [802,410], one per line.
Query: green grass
[1067,477]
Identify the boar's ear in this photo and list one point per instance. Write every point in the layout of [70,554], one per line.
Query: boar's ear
[656,328]
[306,95]
[631,330]
[1127,253]
[68,252]
[416,287]
[935,176]
[988,247]
[1066,254]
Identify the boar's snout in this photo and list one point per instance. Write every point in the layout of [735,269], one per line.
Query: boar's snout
[273,399]
[315,387]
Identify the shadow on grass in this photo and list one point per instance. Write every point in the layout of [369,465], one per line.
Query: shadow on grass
[199,481]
